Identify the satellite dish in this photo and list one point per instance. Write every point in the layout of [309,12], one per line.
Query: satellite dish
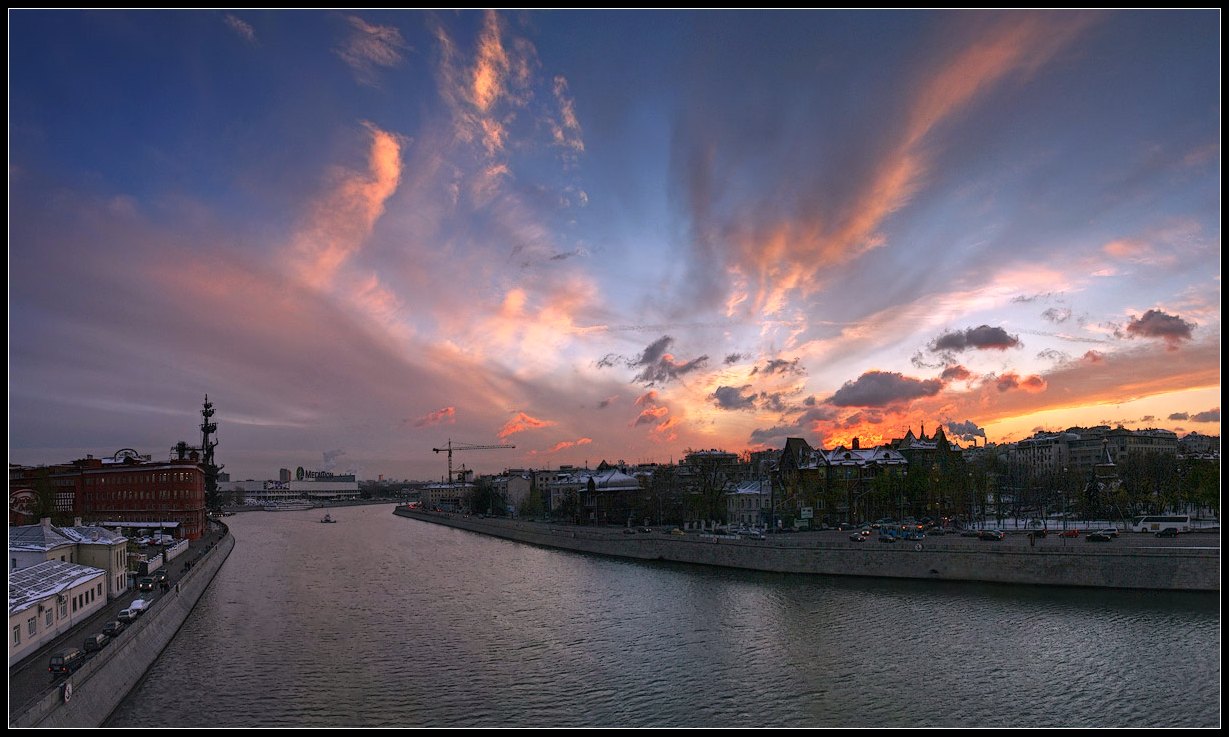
[126,453]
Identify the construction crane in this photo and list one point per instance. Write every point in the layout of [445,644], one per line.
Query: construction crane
[464,446]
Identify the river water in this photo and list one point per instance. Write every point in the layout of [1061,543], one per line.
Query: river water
[384,621]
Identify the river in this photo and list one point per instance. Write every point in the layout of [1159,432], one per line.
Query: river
[381,621]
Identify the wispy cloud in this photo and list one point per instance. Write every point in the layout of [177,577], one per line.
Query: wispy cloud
[340,221]
[240,27]
[370,48]
[445,415]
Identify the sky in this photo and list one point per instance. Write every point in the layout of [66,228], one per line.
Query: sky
[605,235]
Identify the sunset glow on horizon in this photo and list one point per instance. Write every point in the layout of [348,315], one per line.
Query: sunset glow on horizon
[606,235]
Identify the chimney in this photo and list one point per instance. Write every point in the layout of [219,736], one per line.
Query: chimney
[77,522]
[855,444]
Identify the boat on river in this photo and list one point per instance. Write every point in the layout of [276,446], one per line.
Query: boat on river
[328,519]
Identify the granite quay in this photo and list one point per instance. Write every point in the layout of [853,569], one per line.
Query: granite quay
[1139,562]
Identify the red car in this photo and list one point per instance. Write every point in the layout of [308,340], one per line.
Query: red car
[1069,533]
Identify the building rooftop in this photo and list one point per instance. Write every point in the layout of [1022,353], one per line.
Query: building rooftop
[32,538]
[28,586]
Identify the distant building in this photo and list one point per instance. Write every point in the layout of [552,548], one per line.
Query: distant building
[127,488]
[749,503]
[1081,449]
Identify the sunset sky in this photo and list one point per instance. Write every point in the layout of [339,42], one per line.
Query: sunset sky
[609,235]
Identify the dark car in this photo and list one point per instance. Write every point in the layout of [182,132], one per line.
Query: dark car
[146,584]
[1098,537]
[645,529]
[66,661]
[1039,533]
[1069,533]
[628,531]
[1168,532]
[856,537]
[846,526]
[94,643]
[160,576]
[995,535]
[113,628]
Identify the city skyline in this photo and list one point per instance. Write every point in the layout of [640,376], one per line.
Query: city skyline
[606,235]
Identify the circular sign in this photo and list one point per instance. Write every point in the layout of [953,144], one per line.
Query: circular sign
[918,547]
[68,691]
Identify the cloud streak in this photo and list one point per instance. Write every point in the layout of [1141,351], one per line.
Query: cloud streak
[369,48]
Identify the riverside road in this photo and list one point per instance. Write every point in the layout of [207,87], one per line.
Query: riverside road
[29,679]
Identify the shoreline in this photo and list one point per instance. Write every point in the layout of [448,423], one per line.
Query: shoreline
[1050,564]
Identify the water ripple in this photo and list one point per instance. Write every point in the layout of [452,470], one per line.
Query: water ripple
[380,621]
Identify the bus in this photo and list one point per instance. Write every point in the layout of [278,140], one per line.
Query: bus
[1158,523]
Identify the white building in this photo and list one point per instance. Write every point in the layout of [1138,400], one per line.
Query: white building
[748,504]
[89,545]
[48,599]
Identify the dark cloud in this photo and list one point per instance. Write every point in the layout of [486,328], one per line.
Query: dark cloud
[728,397]
[919,361]
[1011,380]
[1212,415]
[565,256]
[1156,324]
[733,358]
[982,337]
[804,425]
[656,366]
[606,402]
[774,402]
[966,430]
[1026,299]
[1057,315]
[955,373]
[809,401]
[764,436]
[1094,357]
[1051,354]
[883,388]
[1148,418]
[780,365]
[1183,416]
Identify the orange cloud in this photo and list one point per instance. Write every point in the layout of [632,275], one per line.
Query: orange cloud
[341,220]
[523,422]
[793,254]
[445,415]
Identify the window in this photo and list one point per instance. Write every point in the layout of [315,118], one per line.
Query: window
[32,625]
[49,614]
[63,608]
[17,635]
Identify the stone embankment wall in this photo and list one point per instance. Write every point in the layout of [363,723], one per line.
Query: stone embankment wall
[100,684]
[1163,568]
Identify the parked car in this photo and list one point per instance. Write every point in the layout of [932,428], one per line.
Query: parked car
[1168,532]
[94,643]
[677,531]
[66,661]
[995,535]
[113,628]
[1098,537]
[884,538]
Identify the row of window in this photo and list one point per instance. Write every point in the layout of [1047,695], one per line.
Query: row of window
[143,478]
[79,601]
[163,494]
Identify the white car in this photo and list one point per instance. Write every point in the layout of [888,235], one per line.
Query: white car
[1111,531]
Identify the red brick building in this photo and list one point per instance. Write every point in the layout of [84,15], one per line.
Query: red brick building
[128,491]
